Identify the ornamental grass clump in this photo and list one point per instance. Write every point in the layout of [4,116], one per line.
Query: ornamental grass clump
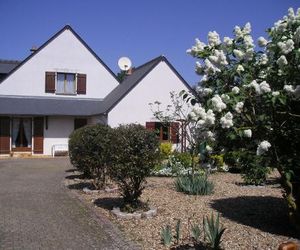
[194,185]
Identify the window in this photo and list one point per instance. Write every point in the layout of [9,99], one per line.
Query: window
[65,83]
[165,132]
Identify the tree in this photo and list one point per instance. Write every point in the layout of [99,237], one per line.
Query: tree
[253,96]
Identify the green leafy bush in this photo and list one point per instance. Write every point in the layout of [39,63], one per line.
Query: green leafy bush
[135,151]
[197,185]
[89,149]
[213,231]
[165,150]
[184,158]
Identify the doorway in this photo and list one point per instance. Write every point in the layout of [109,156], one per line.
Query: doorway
[21,134]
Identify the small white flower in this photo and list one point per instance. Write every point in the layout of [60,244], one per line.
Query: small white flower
[281,61]
[263,60]
[226,121]
[297,35]
[208,148]
[210,117]
[225,97]
[263,147]
[264,87]
[218,104]
[262,42]
[239,107]
[238,54]
[235,90]
[289,89]
[286,47]
[237,31]
[228,41]
[240,68]
[213,38]
[210,69]
[275,93]
[218,58]
[247,133]
[248,41]
[247,28]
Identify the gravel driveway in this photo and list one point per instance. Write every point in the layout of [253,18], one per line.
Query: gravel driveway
[38,212]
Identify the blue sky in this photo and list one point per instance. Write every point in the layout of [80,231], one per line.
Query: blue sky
[138,29]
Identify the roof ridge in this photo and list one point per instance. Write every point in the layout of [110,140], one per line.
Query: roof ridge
[158,58]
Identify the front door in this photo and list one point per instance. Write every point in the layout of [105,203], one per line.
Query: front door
[21,134]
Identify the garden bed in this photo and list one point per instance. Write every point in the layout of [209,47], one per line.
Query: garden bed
[254,217]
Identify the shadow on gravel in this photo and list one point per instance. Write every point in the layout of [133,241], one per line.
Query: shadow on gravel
[75,176]
[81,185]
[71,170]
[108,203]
[268,214]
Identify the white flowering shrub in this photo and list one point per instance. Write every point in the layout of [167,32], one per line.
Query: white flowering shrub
[251,95]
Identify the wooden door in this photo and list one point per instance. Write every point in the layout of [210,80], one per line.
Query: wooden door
[4,135]
[38,135]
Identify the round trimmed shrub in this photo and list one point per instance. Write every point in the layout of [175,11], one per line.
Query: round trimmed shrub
[135,151]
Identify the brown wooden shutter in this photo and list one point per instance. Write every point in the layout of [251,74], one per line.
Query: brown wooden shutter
[79,122]
[4,135]
[50,82]
[81,84]
[38,135]
[175,132]
[150,126]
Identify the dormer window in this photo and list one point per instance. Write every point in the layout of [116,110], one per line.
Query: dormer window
[65,83]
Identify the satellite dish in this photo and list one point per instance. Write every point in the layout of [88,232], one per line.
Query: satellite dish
[124,63]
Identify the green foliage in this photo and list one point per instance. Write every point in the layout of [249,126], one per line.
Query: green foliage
[165,150]
[135,151]
[184,158]
[166,235]
[213,231]
[197,185]
[177,230]
[196,232]
[89,150]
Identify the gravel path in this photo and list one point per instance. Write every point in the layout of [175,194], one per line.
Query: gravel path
[38,212]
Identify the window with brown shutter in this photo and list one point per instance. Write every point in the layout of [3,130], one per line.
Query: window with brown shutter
[81,84]
[4,135]
[164,131]
[50,82]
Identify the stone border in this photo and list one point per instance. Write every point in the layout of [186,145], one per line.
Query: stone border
[122,215]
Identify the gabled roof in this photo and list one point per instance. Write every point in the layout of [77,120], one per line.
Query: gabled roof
[138,74]
[8,65]
[67,27]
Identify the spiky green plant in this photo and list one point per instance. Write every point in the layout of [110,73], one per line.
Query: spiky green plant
[196,231]
[177,230]
[194,185]
[166,235]
[213,231]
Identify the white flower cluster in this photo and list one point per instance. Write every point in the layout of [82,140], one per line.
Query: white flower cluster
[208,148]
[225,97]
[199,46]
[208,135]
[262,42]
[287,46]
[297,35]
[218,104]
[218,57]
[203,91]
[240,69]
[210,69]
[226,121]
[240,32]
[263,147]
[263,60]
[290,89]
[275,93]
[227,41]
[203,118]
[247,133]
[239,107]
[239,54]
[213,38]
[281,25]
[235,90]
[261,88]
[281,61]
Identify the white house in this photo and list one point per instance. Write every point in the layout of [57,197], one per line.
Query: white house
[64,85]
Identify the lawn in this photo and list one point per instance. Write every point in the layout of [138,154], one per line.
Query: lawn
[254,217]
